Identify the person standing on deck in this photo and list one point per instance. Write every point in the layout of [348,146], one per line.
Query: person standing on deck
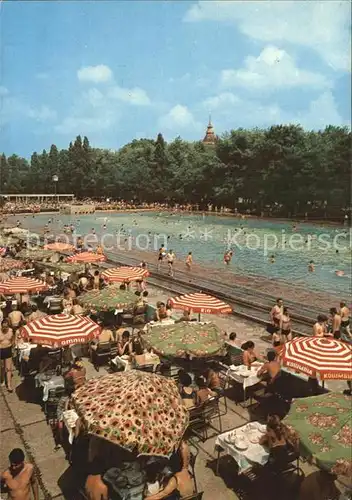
[319,328]
[189,261]
[170,262]
[276,312]
[345,318]
[161,255]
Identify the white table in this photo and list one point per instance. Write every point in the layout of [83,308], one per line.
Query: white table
[53,382]
[255,454]
[70,418]
[242,375]
[24,350]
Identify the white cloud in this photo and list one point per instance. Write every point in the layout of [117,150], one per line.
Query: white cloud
[72,125]
[178,118]
[233,112]
[96,74]
[322,111]
[224,99]
[42,76]
[323,26]
[3,91]
[180,79]
[41,114]
[135,96]
[273,68]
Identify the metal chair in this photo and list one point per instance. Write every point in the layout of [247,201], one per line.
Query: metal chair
[50,406]
[191,468]
[196,496]
[202,417]
[100,355]
[223,385]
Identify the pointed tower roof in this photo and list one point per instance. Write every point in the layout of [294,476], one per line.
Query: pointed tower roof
[210,137]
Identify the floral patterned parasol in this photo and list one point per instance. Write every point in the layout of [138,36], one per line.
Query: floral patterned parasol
[142,412]
[324,426]
[185,338]
[9,264]
[108,299]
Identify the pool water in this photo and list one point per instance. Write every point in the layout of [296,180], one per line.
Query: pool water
[253,242]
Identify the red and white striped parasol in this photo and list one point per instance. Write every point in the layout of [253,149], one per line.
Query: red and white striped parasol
[88,257]
[124,273]
[59,247]
[200,303]
[22,284]
[61,330]
[326,358]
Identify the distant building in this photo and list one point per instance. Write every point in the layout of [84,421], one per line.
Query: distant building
[210,137]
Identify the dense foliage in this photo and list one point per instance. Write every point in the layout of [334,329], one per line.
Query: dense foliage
[283,169]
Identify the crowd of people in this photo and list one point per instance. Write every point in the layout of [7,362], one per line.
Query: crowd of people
[197,383]
[35,206]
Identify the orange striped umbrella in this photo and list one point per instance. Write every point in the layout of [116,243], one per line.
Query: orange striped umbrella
[200,303]
[22,284]
[87,257]
[61,330]
[319,356]
[59,247]
[124,273]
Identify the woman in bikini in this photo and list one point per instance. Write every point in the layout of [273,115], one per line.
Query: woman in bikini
[249,356]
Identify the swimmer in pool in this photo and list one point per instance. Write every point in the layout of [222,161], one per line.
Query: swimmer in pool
[311,266]
[272,259]
[339,273]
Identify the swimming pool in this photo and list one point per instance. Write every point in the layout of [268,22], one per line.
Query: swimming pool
[253,242]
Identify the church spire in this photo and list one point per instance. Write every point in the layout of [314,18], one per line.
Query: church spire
[210,137]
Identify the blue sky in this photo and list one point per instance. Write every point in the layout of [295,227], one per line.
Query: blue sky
[120,70]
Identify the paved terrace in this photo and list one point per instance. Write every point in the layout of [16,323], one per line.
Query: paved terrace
[23,425]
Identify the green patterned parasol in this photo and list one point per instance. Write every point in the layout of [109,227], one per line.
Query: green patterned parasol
[185,338]
[108,299]
[324,426]
[37,254]
[65,267]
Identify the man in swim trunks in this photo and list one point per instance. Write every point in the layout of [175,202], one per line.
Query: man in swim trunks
[170,262]
[335,323]
[161,255]
[7,339]
[276,312]
[19,478]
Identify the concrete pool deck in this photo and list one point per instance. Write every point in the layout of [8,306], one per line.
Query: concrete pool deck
[23,422]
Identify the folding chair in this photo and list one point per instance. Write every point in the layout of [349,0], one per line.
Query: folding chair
[196,496]
[191,468]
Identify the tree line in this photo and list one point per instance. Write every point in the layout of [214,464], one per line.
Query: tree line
[282,170]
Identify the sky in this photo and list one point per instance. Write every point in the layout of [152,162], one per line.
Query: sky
[121,70]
